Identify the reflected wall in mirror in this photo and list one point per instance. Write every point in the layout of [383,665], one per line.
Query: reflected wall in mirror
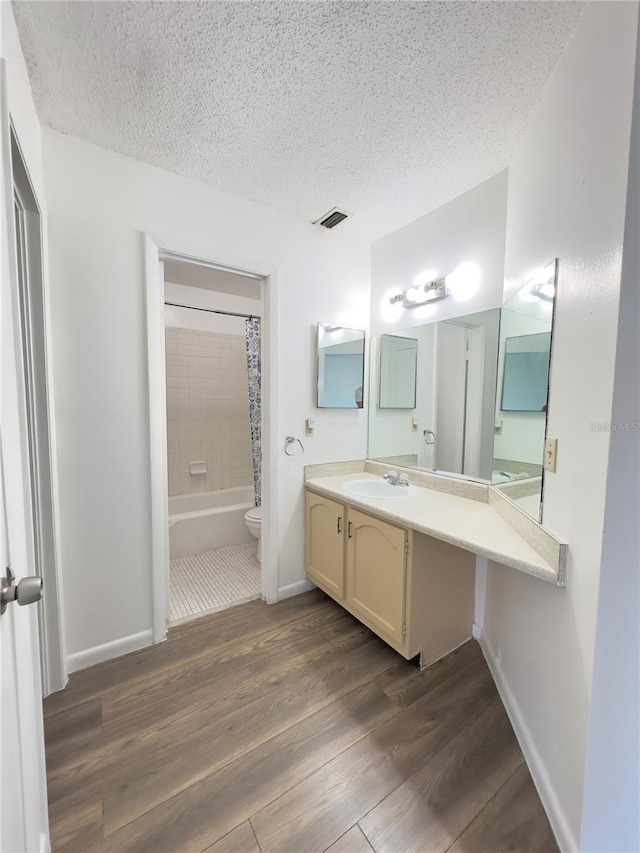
[340,367]
[397,371]
[450,427]
[523,383]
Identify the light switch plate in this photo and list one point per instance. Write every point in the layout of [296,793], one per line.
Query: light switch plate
[550,454]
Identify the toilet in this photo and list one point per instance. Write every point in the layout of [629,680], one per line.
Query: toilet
[253,520]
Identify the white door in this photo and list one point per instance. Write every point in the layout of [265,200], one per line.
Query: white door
[23,799]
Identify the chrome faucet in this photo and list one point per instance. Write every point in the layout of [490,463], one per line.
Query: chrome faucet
[396,479]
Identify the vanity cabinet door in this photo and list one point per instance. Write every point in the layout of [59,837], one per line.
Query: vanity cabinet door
[325,522]
[376,574]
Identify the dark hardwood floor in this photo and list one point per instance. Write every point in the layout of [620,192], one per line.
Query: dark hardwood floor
[288,727]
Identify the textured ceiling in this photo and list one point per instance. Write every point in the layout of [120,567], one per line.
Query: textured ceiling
[387,109]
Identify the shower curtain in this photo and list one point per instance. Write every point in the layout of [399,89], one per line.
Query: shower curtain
[252,333]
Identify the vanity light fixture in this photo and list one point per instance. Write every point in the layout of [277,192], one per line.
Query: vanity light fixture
[464,281]
[422,294]
[462,284]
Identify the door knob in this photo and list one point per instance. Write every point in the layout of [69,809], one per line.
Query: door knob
[26,591]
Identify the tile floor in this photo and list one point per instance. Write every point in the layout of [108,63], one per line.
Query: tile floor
[213,581]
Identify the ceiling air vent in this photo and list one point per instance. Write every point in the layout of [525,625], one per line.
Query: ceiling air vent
[331,219]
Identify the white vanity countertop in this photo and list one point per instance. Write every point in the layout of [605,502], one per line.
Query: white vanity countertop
[469,524]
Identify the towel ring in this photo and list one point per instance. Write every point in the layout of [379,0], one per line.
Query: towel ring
[290,442]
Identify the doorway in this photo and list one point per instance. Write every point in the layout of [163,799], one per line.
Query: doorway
[209,324]
[213,391]
[460,400]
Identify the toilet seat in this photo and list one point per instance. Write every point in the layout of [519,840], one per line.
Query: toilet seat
[254,514]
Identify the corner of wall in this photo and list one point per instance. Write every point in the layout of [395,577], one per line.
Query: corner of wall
[559,823]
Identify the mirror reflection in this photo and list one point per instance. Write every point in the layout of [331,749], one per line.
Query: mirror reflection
[523,383]
[340,367]
[449,427]
[398,362]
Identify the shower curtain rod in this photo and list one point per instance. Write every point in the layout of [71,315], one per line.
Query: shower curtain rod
[214,311]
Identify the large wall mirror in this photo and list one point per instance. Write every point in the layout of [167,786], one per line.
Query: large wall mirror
[481,387]
[523,389]
[448,371]
[398,366]
[340,367]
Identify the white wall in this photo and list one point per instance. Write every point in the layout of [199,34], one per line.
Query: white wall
[611,810]
[100,203]
[205,321]
[567,192]
[469,228]
[199,321]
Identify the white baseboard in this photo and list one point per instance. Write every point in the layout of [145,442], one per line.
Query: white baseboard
[476,631]
[98,654]
[294,589]
[557,819]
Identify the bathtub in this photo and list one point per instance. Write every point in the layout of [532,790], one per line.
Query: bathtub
[208,520]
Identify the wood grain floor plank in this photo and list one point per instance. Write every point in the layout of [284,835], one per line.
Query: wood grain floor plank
[72,731]
[210,674]
[185,642]
[270,642]
[324,806]
[291,720]
[170,764]
[353,841]
[239,840]
[405,686]
[76,821]
[176,715]
[513,820]
[347,636]
[185,713]
[436,802]
[208,810]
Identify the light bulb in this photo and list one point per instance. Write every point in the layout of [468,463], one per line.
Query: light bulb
[425,277]
[413,294]
[391,311]
[464,281]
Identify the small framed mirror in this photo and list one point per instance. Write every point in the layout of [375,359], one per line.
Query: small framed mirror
[340,367]
[397,372]
[524,359]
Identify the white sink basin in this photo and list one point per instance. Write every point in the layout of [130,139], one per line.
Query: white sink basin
[378,489]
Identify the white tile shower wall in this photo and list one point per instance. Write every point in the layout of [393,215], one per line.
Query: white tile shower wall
[207,411]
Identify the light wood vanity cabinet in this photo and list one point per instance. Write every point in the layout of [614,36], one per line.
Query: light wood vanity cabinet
[414,591]
[325,521]
[376,573]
